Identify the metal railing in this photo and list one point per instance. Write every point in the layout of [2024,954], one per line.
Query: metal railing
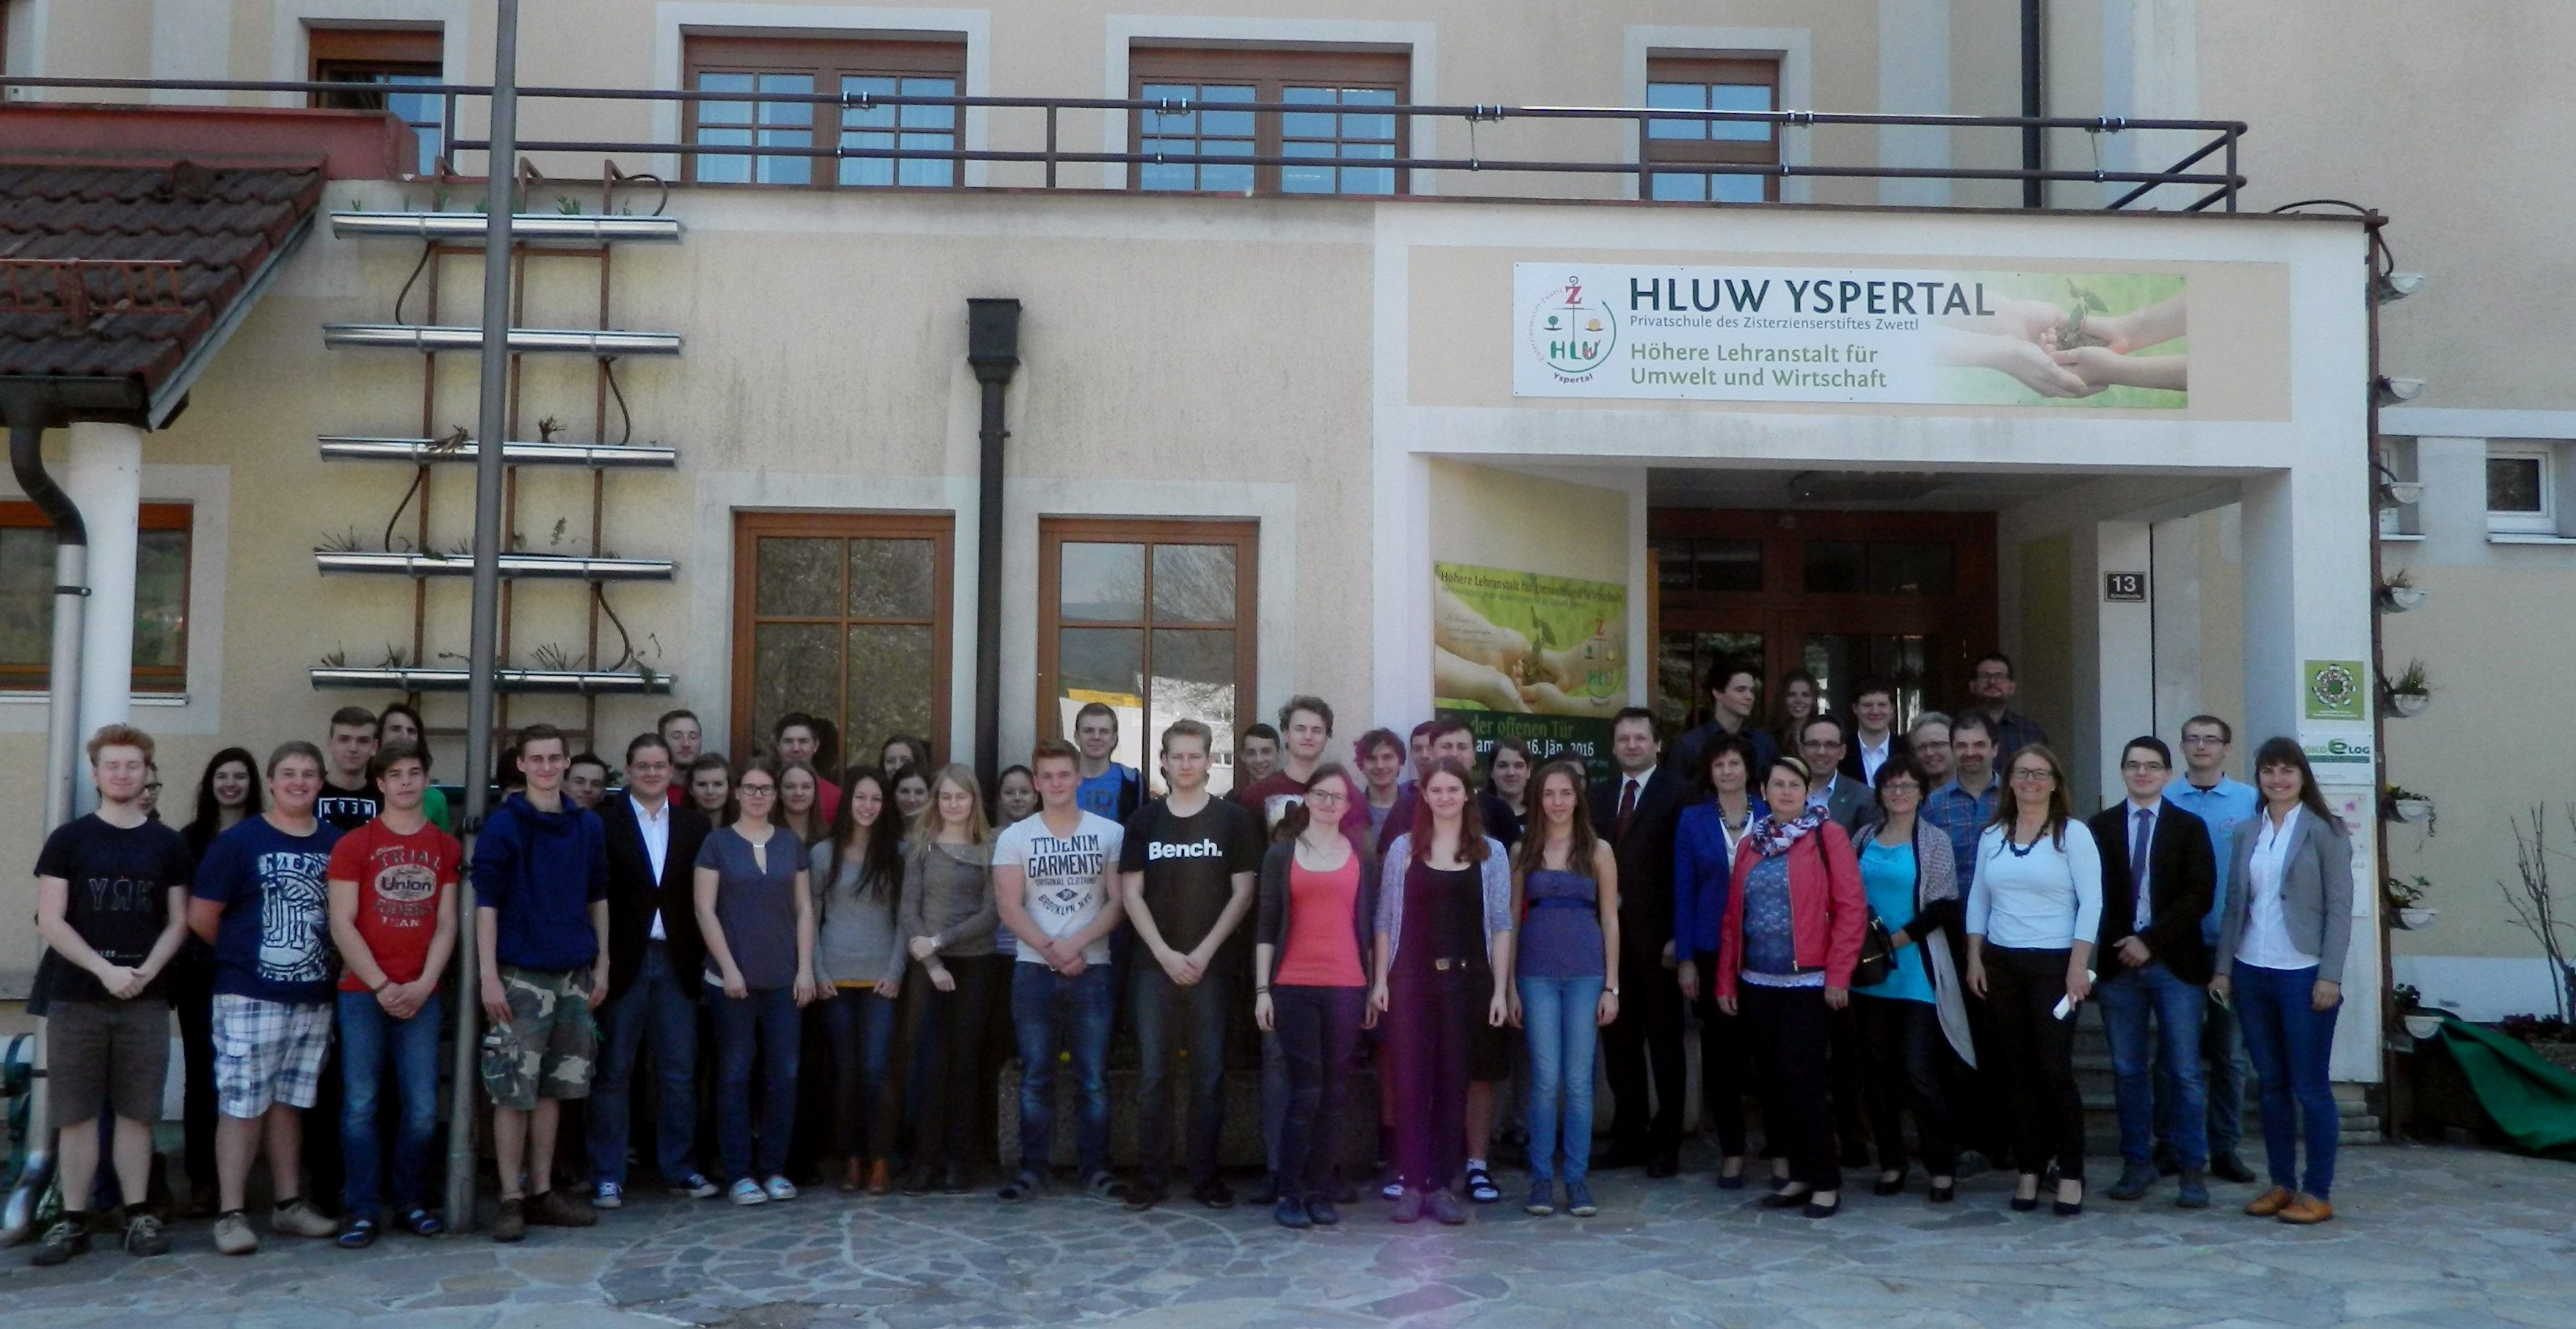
[1050,153]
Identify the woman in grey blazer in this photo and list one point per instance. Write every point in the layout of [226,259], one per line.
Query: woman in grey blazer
[2280,960]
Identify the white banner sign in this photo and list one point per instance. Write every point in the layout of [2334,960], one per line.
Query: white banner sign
[1848,335]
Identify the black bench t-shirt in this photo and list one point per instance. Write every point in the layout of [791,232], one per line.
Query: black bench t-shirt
[1189,863]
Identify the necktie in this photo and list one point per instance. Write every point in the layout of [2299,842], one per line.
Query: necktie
[2146,827]
[1627,807]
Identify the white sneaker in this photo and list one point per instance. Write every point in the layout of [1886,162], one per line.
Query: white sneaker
[608,1195]
[747,1191]
[780,1188]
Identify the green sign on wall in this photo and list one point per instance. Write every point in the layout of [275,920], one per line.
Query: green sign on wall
[2335,690]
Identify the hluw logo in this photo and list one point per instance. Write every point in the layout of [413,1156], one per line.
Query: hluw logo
[1571,335]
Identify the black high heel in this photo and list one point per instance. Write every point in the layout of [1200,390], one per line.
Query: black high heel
[1889,1187]
[1815,1210]
[2023,1205]
[1785,1199]
[2069,1209]
[1730,1183]
[1944,1194]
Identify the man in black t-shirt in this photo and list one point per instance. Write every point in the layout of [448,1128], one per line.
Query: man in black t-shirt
[1185,875]
[349,799]
[111,905]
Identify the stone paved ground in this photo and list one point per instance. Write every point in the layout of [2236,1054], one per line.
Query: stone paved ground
[2447,1237]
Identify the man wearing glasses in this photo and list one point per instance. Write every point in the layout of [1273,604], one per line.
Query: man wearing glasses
[2158,873]
[1992,683]
[2206,791]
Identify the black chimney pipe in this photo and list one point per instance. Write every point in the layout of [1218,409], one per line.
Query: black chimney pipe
[2034,84]
[993,349]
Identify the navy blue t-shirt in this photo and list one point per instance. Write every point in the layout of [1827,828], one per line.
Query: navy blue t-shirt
[274,942]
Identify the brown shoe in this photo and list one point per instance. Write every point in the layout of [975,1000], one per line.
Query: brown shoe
[880,1178]
[2306,1209]
[2270,1203]
[511,1224]
[553,1208]
[854,1174]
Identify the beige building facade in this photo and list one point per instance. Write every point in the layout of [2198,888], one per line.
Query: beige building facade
[1259,444]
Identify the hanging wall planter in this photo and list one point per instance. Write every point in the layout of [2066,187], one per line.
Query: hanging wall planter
[2399,593]
[2408,693]
[2415,918]
[2423,1024]
[2403,805]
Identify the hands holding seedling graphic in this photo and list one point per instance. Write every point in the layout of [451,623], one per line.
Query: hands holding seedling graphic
[2075,351]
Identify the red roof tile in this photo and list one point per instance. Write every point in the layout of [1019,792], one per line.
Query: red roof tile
[223,224]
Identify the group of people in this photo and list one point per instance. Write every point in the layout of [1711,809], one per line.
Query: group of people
[1868,926]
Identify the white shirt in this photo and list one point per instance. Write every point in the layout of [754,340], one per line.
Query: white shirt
[1871,758]
[655,826]
[1635,783]
[2266,943]
[1064,878]
[2145,910]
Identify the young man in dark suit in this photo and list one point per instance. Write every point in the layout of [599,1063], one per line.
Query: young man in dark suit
[654,961]
[1636,811]
[2158,875]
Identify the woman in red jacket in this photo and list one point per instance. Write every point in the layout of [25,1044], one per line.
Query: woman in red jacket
[1791,937]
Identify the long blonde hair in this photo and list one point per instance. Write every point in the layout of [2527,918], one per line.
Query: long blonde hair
[978,829]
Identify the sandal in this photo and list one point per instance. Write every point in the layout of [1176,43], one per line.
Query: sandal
[1105,1185]
[423,1223]
[1481,1187]
[1021,1187]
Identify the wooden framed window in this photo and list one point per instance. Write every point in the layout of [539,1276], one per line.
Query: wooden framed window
[801,66]
[846,617]
[1698,150]
[1153,618]
[378,63]
[161,569]
[1350,125]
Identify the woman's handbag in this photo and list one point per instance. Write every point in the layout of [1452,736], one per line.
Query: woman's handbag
[1877,955]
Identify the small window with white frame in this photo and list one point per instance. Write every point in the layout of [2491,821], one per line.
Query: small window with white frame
[2522,489]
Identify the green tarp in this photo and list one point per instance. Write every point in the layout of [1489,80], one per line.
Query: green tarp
[2532,1101]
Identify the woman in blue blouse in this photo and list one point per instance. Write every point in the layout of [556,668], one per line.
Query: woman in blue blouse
[1703,862]
[1913,888]
[2033,912]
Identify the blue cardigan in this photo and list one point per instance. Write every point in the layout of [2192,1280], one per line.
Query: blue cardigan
[1702,876]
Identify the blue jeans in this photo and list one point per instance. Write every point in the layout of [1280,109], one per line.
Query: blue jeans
[763,1022]
[2225,1057]
[661,1006]
[1557,1015]
[1168,1017]
[2144,1061]
[860,1026]
[1050,1011]
[368,1037]
[2292,1046]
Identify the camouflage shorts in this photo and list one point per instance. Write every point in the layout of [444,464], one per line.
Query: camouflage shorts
[547,1049]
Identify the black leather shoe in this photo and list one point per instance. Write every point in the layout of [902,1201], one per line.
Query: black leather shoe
[2228,1167]
[1814,1210]
[1663,1164]
[1264,1193]
[1727,1183]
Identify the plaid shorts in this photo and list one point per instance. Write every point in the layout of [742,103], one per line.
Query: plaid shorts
[267,1052]
[550,1044]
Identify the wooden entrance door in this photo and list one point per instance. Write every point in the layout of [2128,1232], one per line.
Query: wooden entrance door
[1906,596]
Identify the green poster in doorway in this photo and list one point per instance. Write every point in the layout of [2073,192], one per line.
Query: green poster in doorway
[2335,690]
[1530,656]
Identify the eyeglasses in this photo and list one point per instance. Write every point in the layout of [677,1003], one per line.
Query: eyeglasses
[2032,773]
[750,789]
[1327,796]
[2203,741]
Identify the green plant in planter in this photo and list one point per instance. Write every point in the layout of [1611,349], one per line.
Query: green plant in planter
[2412,681]
[2407,996]
[2409,893]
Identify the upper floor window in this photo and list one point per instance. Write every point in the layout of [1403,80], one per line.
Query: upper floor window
[378,63]
[161,556]
[2522,488]
[797,67]
[1697,150]
[1352,123]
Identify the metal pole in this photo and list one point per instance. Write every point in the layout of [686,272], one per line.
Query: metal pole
[501,170]
[2034,65]
[993,350]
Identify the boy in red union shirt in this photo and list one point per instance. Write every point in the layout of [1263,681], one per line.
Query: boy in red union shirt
[393,915]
